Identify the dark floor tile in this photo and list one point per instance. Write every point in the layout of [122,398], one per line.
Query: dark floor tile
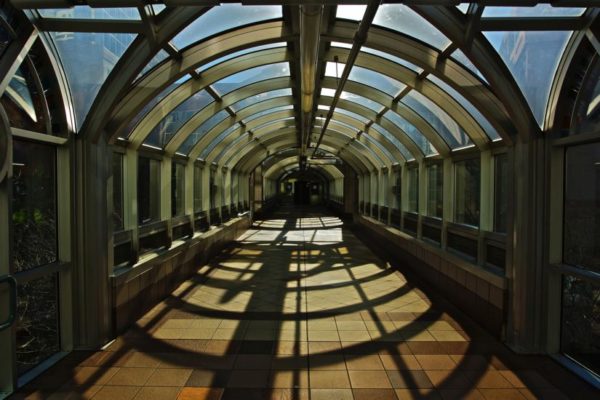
[374,394]
[256,347]
[407,379]
[208,378]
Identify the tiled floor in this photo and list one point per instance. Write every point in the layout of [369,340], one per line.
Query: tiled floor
[299,308]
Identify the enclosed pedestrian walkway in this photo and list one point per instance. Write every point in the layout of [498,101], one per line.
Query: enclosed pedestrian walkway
[298,307]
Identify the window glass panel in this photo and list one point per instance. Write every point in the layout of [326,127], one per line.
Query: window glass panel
[532,58]
[586,116]
[342,45]
[252,75]
[199,132]
[500,192]
[197,188]
[148,190]
[353,12]
[88,59]
[466,191]
[37,324]
[211,146]
[412,132]
[360,100]
[18,91]
[461,58]
[157,59]
[540,10]
[388,135]
[435,175]
[580,318]
[267,112]
[240,53]
[177,189]
[154,101]
[368,77]
[398,190]
[393,58]
[158,8]
[404,20]
[452,133]
[260,97]
[463,7]
[467,105]
[582,207]
[351,114]
[223,17]
[164,131]
[86,12]
[34,215]
[413,189]
[117,180]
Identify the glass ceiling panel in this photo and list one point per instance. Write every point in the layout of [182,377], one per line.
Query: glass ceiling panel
[224,17]
[88,59]
[388,135]
[467,105]
[206,151]
[160,56]
[402,19]
[412,132]
[366,76]
[238,54]
[86,12]
[169,125]
[257,98]
[459,56]
[438,118]
[199,132]
[158,8]
[532,58]
[266,112]
[393,58]
[252,75]
[463,7]
[353,12]
[18,91]
[273,122]
[342,45]
[155,100]
[540,10]
[5,39]
[360,100]
[351,114]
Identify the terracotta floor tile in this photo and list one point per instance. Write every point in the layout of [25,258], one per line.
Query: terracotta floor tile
[193,393]
[253,361]
[417,394]
[248,378]
[327,362]
[449,379]
[363,362]
[400,362]
[501,394]
[374,394]
[169,377]
[116,393]
[329,380]
[130,377]
[208,378]
[288,379]
[331,394]
[157,393]
[461,394]
[369,380]
[488,379]
[435,361]
[409,379]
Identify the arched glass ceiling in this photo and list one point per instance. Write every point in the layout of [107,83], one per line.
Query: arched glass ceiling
[236,107]
[460,57]
[355,98]
[267,112]
[157,59]
[412,132]
[18,91]
[532,58]
[403,150]
[540,10]
[210,123]
[244,78]
[214,143]
[221,18]
[88,59]
[240,53]
[86,12]
[367,76]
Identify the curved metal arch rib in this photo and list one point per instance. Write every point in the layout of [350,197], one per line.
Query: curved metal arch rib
[158,79]
[332,171]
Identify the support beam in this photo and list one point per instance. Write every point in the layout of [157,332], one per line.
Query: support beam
[14,55]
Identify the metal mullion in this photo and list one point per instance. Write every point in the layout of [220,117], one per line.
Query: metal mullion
[586,275]
[28,275]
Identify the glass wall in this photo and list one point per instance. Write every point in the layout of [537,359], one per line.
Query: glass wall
[117,177]
[413,189]
[466,191]
[500,192]
[177,189]
[148,190]
[197,188]
[435,206]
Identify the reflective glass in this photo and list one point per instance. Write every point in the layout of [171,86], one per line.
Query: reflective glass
[532,58]
[169,125]
[37,323]
[412,132]
[34,215]
[540,10]
[586,115]
[160,56]
[199,132]
[413,189]
[438,118]
[580,337]
[353,12]
[148,185]
[177,189]
[393,58]
[88,59]
[248,101]
[463,7]
[467,105]
[351,114]
[461,58]
[376,80]
[153,102]
[240,53]
[223,17]
[19,92]
[467,185]
[387,134]
[215,142]
[360,100]
[581,207]
[266,112]
[435,205]
[251,75]
[86,12]
[404,20]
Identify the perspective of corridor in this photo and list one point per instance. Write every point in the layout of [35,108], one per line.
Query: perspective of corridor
[299,308]
[300,199]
